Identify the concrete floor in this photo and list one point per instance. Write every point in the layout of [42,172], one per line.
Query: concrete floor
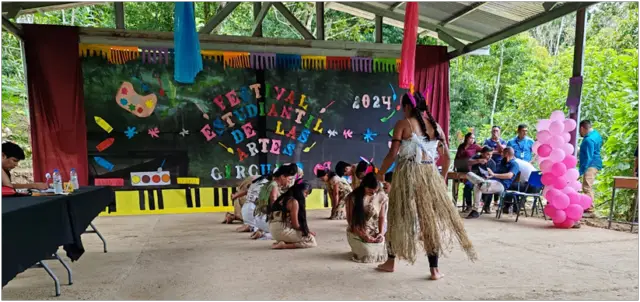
[194,257]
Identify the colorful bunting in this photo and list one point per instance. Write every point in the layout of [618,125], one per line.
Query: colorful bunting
[236,59]
[214,55]
[288,61]
[314,62]
[339,63]
[155,55]
[361,64]
[263,60]
[384,65]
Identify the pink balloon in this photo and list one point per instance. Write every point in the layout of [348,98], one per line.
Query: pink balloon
[568,189]
[558,169]
[568,148]
[570,162]
[560,201]
[559,217]
[586,201]
[543,136]
[556,141]
[574,212]
[556,127]
[535,147]
[557,115]
[550,194]
[543,125]
[569,125]
[574,198]
[576,185]
[566,136]
[546,190]
[556,155]
[549,210]
[566,224]
[545,166]
[571,175]
[544,150]
[547,179]
[560,183]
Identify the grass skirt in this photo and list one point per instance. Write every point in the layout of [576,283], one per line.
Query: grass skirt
[420,210]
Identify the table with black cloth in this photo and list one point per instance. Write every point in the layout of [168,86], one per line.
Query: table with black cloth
[33,227]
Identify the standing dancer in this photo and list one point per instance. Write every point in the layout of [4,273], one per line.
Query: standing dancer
[419,207]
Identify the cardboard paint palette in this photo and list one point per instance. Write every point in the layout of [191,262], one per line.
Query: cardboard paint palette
[153,178]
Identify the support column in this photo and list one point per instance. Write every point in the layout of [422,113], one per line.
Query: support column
[260,78]
[119,14]
[257,6]
[320,21]
[575,84]
[378,37]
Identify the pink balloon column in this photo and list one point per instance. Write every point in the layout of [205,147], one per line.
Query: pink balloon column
[559,174]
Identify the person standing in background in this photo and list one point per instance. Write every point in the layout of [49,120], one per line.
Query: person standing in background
[590,160]
[496,143]
[522,145]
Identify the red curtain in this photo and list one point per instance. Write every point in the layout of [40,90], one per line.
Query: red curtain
[56,101]
[432,68]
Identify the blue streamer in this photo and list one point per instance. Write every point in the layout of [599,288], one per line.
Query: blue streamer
[188,60]
[292,62]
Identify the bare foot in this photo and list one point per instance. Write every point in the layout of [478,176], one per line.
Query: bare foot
[243,228]
[435,274]
[257,235]
[387,267]
[279,245]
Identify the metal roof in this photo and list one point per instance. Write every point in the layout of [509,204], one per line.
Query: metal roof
[464,26]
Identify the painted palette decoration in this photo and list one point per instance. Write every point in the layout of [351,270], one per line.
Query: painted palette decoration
[138,105]
[152,178]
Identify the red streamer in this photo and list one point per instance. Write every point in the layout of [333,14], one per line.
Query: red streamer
[408,55]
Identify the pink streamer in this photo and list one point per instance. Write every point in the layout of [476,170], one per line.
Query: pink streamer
[408,55]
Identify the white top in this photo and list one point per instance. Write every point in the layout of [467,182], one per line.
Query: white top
[254,190]
[525,169]
[418,149]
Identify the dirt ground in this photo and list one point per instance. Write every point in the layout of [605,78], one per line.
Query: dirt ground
[194,257]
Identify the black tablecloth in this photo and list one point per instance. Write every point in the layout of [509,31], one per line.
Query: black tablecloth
[34,227]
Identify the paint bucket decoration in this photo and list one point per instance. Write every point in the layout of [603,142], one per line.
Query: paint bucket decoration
[152,178]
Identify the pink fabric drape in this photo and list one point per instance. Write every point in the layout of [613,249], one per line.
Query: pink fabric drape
[408,54]
[432,69]
[56,101]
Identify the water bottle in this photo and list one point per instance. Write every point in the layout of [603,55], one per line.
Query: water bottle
[511,209]
[57,182]
[73,179]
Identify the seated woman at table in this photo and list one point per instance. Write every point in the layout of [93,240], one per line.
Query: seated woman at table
[239,199]
[12,154]
[280,180]
[338,189]
[366,217]
[288,219]
[465,153]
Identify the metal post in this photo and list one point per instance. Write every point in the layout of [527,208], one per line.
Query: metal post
[378,38]
[578,63]
[119,14]
[319,20]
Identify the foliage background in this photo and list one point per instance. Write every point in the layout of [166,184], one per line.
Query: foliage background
[534,74]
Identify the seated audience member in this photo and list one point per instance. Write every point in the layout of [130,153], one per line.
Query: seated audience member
[496,143]
[239,200]
[12,154]
[507,171]
[366,218]
[288,219]
[522,145]
[482,163]
[466,151]
[278,181]
[337,189]
[526,168]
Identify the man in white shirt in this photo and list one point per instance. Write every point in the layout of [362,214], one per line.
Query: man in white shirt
[525,170]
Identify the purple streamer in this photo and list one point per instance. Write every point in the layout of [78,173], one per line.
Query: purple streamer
[155,55]
[262,61]
[361,64]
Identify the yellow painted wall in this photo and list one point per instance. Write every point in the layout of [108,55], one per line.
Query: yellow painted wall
[174,201]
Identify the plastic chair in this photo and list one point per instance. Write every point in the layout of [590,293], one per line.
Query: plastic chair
[504,193]
[534,182]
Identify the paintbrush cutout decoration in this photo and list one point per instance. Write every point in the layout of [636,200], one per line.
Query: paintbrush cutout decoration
[386,118]
[227,148]
[323,110]
[307,149]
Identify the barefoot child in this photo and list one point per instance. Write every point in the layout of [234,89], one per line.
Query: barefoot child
[288,219]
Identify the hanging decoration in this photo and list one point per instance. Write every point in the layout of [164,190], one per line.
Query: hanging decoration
[288,61]
[188,60]
[214,55]
[263,61]
[123,54]
[361,64]
[314,62]
[339,63]
[154,55]
[90,50]
[236,59]
[408,54]
[385,65]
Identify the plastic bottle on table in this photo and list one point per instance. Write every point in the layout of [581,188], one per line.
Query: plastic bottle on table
[73,179]
[57,182]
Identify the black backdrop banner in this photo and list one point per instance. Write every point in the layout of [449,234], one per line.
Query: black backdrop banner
[232,123]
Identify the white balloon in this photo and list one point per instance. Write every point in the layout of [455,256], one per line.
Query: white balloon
[557,115]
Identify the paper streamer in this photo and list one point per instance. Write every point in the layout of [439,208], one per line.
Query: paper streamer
[263,60]
[90,50]
[385,65]
[216,56]
[288,61]
[154,55]
[339,63]
[122,54]
[236,59]
[109,182]
[408,53]
[314,62]
[361,64]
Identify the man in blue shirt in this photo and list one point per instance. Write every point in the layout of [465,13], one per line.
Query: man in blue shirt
[500,180]
[522,145]
[590,159]
[496,143]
